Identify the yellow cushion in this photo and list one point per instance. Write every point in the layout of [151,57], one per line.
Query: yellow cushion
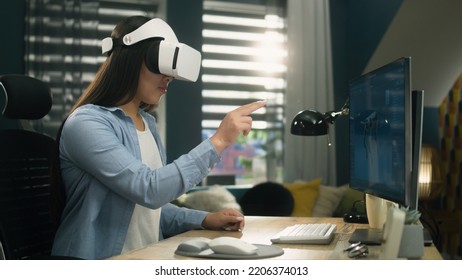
[305,194]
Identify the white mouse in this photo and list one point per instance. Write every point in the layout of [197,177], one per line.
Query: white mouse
[195,245]
[232,246]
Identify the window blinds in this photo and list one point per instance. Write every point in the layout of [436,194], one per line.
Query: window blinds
[244,59]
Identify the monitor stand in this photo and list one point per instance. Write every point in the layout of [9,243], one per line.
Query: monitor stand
[376,209]
[368,236]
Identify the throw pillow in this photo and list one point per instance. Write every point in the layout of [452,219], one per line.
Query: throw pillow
[328,200]
[214,199]
[305,194]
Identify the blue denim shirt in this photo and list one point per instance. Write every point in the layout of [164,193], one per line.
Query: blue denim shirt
[104,178]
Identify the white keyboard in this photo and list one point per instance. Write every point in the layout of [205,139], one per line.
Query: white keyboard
[306,234]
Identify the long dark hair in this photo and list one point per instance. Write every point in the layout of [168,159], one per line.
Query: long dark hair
[115,84]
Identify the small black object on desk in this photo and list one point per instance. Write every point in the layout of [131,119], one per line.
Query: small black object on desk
[355,217]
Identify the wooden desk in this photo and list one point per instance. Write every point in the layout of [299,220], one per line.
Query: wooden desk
[259,230]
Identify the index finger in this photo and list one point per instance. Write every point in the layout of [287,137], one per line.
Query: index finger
[251,107]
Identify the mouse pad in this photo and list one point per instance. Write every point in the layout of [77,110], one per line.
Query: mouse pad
[264,251]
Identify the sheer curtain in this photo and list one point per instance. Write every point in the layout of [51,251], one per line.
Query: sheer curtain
[309,86]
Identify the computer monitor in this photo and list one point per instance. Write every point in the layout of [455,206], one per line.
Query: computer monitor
[385,134]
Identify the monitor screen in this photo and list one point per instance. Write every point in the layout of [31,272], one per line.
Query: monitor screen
[381,132]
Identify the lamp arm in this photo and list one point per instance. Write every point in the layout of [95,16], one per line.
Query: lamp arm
[346,106]
[331,116]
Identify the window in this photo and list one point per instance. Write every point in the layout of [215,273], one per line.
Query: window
[244,60]
[63,46]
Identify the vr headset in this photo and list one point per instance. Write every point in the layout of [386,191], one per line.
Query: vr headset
[166,56]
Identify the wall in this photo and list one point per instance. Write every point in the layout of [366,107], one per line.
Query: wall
[11,47]
[357,28]
[184,101]
[429,32]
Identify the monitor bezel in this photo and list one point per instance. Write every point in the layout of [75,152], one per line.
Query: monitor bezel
[417,128]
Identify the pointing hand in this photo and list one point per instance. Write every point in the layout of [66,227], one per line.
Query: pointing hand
[235,122]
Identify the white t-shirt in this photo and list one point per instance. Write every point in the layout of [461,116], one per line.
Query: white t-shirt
[144,225]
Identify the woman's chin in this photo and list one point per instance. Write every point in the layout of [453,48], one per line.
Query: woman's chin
[154,101]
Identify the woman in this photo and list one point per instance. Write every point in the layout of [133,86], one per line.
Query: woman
[118,187]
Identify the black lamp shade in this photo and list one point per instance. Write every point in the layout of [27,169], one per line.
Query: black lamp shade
[309,123]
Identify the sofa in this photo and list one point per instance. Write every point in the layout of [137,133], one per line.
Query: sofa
[298,199]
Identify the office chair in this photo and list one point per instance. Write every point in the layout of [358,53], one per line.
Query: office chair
[28,220]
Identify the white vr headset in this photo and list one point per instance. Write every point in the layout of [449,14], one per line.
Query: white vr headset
[166,56]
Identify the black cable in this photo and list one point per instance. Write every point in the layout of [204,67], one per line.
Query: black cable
[432,226]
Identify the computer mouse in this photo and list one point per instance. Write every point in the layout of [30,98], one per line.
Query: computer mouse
[195,245]
[232,246]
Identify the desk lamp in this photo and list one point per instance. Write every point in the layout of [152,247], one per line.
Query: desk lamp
[430,177]
[314,123]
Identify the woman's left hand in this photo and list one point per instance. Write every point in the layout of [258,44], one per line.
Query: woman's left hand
[229,219]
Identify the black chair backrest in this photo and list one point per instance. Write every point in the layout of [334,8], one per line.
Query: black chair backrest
[27,98]
[28,220]
[27,224]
